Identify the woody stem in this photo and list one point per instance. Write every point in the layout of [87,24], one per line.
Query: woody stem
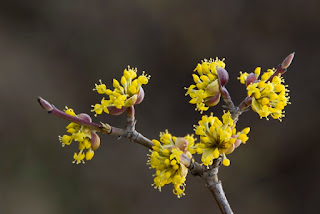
[209,175]
[102,127]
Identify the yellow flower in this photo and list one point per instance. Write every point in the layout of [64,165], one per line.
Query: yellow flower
[269,97]
[82,135]
[165,159]
[126,93]
[205,92]
[218,138]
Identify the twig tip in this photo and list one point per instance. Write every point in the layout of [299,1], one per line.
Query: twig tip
[287,61]
[45,104]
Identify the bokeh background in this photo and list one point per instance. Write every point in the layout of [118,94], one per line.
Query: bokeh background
[60,49]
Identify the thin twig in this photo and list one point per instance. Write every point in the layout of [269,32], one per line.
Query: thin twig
[102,127]
[246,102]
[210,175]
[215,187]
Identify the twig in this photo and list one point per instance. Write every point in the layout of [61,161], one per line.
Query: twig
[102,127]
[246,102]
[215,187]
[210,175]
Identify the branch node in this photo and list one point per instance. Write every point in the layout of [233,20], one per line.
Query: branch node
[106,127]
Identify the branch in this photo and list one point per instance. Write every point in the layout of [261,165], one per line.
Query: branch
[246,102]
[105,128]
[210,175]
[215,187]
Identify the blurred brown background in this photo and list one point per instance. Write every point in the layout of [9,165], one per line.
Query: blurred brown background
[60,49]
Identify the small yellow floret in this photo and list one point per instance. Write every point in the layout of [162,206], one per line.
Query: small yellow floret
[226,162]
[89,154]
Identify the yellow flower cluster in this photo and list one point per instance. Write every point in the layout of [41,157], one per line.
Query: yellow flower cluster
[206,85]
[269,97]
[80,134]
[125,93]
[165,159]
[218,138]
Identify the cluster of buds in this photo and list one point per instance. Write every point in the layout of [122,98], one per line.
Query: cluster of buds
[165,159]
[209,79]
[87,139]
[268,94]
[218,138]
[125,94]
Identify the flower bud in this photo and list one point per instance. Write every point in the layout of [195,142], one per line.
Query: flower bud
[140,96]
[45,104]
[226,162]
[181,143]
[95,141]
[84,117]
[212,101]
[116,84]
[223,76]
[115,111]
[123,81]
[251,78]
[287,61]
[89,154]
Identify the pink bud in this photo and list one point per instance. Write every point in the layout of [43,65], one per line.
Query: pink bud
[181,143]
[115,111]
[84,117]
[95,141]
[287,61]
[140,96]
[237,143]
[45,104]
[223,76]
[251,78]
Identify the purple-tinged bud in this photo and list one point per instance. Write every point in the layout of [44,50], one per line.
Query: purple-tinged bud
[223,76]
[212,101]
[287,61]
[224,92]
[182,144]
[140,96]
[115,111]
[45,104]
[95,141]
[251,78]
[84,117]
